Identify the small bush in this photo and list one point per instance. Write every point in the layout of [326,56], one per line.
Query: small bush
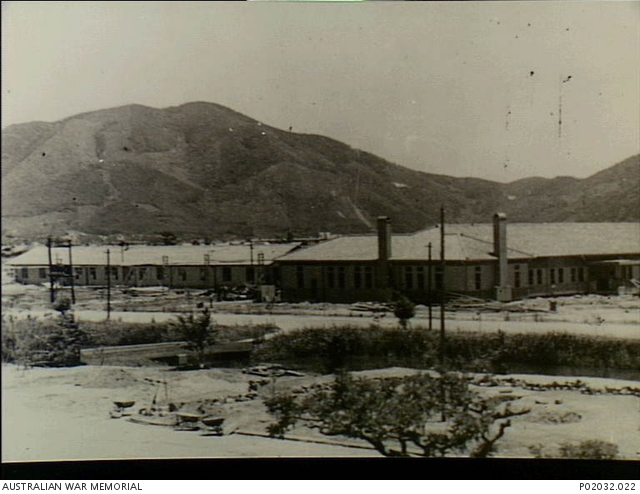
[404,309]
[54,343]
[593,449]
[198,331]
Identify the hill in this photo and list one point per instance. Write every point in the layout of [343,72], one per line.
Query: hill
[203,170]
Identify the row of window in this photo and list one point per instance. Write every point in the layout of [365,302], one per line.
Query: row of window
[92,273]
[557,275]
[414,277]
[336,277]
[363,277]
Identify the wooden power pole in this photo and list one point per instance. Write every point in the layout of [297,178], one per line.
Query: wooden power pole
[52,296]
[442,287]
[71,275]
[108,284]
[429,295]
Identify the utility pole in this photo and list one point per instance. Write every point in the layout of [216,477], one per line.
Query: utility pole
[442,291]
[429,290]
[71,275]
[51,292]
[108,284]
[443,396]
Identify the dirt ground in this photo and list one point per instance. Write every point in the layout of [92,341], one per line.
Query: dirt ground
[616,316]
[63,414]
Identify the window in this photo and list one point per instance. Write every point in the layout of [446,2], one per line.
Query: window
[182,274]
[552,276]
[581,274]
[114,273]
[251,274]
[160,273]
[226,273]
[203,273]
[142,273]
[477,278]
[331,277]
[408,277]
[516,277]
[25,273]
[78,273]
[357,277]
[573,275]
[93,273]
[42,272]
[368,277]
[300,276]
[560,275]
[341,277]
[420,277]
[539,276]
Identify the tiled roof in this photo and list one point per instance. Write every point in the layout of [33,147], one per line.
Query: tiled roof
[475,242]
[138,255]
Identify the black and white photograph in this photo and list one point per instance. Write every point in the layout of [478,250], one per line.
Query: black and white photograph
[357,229]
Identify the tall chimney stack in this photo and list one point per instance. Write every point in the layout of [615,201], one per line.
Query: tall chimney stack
[502,288]
[384,238]
[384,251]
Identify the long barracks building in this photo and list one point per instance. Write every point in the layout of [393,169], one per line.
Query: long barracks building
[176,266]
[492,261]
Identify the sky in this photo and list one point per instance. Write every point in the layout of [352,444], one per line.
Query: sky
[495,90]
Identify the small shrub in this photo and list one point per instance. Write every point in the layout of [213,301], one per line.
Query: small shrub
[593,449]
[62,304]
[404,310]
[198,331]
[54,343]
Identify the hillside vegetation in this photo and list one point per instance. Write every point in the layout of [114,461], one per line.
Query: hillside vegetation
[201,169]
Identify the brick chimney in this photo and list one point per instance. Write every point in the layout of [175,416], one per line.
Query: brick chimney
[384,252]
[502,288]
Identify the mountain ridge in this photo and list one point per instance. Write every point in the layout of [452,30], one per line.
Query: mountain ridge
[204,170]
